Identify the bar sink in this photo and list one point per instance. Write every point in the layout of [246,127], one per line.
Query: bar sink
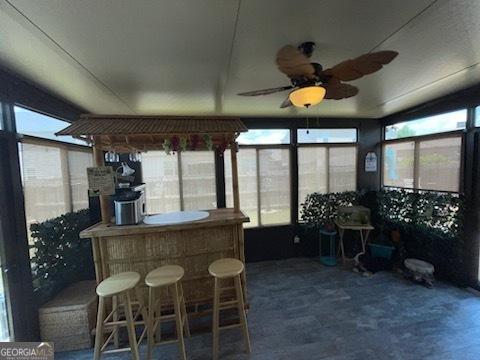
[176,217]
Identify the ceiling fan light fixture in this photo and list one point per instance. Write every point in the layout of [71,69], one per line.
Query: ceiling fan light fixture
[307,96]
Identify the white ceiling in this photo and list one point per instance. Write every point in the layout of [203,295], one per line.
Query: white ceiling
[193,57]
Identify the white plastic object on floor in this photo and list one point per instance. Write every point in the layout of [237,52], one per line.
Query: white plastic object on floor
[176,217]
[419,266]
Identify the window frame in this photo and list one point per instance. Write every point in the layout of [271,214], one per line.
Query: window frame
[417,140]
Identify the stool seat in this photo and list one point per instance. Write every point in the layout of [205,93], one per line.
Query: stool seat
[118,283]
[164,275]
[226,268]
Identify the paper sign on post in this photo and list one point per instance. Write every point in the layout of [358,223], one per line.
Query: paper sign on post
[100,181]
[371,162]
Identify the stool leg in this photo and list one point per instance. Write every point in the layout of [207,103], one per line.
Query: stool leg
[151,322]
[216,316]
[143,310]
[132,337]
[116,342]
[99,328]
[241,311]
[184,311]
[158,295]
[178,321]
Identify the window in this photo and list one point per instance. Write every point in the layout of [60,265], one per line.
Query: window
[42,126]
[247,183]
[54,180]
[398,164]
[264,184]
[342,169]
[439,164]
[264,137]
[78,162]
[426,163]
[326,136]
[274,172]
[198,180]
[477,116]
[182,181]
[160,174]
[326,169]
[455,120]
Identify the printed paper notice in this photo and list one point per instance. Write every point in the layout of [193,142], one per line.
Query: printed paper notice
[100,181]
[371,162]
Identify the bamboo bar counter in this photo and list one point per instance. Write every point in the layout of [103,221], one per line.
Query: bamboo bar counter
[192,245]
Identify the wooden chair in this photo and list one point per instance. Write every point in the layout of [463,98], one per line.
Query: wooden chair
[224,269]
[116,288]
[168,277]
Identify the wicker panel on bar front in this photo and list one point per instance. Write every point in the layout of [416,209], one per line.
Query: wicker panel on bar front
[194,250]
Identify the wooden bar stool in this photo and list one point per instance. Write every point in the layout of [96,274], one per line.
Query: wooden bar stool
[117,287]
[167,276]
[223,269]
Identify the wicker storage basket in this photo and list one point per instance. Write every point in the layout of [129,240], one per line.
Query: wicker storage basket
[69,318]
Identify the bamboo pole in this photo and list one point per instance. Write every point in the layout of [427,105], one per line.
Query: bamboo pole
[104,199]
[236,192]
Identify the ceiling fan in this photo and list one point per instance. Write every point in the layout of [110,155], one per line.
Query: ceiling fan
[310,84]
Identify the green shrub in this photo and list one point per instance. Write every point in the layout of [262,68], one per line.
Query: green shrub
[60,256]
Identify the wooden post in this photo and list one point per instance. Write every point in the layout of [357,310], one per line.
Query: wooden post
[104,199]
[236,193]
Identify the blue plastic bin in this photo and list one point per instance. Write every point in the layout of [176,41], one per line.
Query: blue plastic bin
[382,251]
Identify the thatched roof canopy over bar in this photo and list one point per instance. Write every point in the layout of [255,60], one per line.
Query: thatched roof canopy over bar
[127,133]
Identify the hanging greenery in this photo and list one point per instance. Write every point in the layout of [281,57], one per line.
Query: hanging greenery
[321,209]
[60,257]
[431,225]
[439,213]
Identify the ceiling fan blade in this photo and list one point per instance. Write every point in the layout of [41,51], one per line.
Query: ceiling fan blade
[337,91]
[353,69]
[293,63]
[266,91]
[286,103]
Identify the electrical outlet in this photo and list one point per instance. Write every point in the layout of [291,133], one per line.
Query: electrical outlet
[296,239]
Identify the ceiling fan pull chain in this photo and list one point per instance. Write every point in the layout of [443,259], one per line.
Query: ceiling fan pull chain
[308,131]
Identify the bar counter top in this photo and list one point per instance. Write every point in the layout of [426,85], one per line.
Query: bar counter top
[217,217]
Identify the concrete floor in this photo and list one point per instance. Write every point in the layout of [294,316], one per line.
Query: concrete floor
[303,310]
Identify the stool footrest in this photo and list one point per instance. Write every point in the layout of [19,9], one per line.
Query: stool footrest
[232,326]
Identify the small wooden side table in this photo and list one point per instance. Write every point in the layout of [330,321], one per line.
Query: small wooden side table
[360,227]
